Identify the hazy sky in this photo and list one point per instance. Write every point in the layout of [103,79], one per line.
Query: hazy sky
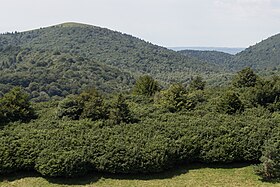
[218,23]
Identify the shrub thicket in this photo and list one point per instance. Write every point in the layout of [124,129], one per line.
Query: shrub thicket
[245,78]
[15,106]
[146,85]
[270,166]
[230,103]
[104,138]
[70,148]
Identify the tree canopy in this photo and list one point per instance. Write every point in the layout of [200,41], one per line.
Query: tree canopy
[245,78]
[146,85]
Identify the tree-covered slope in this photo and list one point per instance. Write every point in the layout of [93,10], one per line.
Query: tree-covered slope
[45,74]
[73,56]
[212,57]
[103,45]
[265,55]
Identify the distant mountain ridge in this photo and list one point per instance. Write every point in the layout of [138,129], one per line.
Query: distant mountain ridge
[263,57]
[228,50]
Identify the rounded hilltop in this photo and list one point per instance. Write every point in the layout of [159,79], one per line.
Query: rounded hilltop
[73,24]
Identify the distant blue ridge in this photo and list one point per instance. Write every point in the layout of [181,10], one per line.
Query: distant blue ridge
[229,50]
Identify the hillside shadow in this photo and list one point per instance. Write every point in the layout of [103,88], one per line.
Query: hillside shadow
[94,177]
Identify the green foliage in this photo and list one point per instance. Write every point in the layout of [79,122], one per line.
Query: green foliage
[174,98]
[266,93]
[197,83]
[88,104]
[61,163]
[91,105]
[177,98]
[15,106]
[230,103]
[270,166]
[146,85]
[70,148]
[119,110]
[245,78]
[71,107]
[94,106]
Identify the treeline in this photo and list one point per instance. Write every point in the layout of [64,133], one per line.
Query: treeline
[149,130]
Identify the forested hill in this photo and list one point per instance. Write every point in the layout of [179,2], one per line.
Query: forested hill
[109,47]
[71,56]
[263,55]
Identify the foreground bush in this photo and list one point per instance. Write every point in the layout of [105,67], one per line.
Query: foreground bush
[61,163]
[270,166]
[245,78]
[230,103]
[176,98]
[146,85]
[70,147]
[15,106]
[71,107]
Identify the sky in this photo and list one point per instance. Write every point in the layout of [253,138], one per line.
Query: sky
[169,23]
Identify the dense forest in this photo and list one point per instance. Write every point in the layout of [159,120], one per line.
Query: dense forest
[77,98]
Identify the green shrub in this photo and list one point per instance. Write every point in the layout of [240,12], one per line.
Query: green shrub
[15,106]
[88,104]
[119,110]
[94,106]
[174,98]
[146,85]
[270,166]
[71,107]
[62,163]
[7,155]
[230,103]
[245,78]
[56,147]
[19,149]
[266,93]
[197,84]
